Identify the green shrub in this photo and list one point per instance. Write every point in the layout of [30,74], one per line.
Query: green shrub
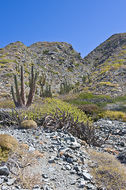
[92,110]
[115,115]
[45,52]
[49,106]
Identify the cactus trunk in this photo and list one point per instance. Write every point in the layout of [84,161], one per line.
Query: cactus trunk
[22,86]
[19,100]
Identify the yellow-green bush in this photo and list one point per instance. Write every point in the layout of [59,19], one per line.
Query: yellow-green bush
[108,172]
[3,155]
[115,115]
[50,106]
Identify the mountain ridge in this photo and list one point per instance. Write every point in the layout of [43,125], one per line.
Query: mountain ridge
[104,68]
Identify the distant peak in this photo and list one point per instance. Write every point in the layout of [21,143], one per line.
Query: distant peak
[17,43]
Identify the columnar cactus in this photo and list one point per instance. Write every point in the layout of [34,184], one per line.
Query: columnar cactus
[19,96]
[42,81]
[65,87]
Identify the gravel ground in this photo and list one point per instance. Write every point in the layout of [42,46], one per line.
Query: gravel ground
[64,164]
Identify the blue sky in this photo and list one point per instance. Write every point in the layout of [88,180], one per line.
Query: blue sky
[83,23]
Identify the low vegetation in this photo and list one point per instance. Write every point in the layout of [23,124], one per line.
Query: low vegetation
[7,104]
[89,98]
[7,144]
[108,172]
[92,110]
[50,105]
[28,124]
[115,115]
[25,166]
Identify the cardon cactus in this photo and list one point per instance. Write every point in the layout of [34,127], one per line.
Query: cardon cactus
[42,81]
[19,96]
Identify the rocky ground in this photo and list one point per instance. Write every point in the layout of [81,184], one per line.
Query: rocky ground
[116,143]
[63,165]
[64,161]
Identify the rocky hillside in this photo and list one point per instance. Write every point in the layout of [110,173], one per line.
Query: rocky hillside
[58,60]
[107,65]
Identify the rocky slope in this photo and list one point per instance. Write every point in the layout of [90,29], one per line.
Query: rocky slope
[106,65]
[58,60]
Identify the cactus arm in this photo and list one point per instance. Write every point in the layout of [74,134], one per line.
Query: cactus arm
[17,92]
[22,86]
[13,96]
[32,88]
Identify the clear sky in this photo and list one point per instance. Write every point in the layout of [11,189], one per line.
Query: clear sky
[83,23]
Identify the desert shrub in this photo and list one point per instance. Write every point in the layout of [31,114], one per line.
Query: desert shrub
[23,165]
[49,106]
[45,52]
[38,112]
[7,144]
[3,155]
[10,117]
[65,121]
[89,98]
[89,108]
[115,115]
[84,77]
[7,104]
[92,110]
[108,172]
[28,124]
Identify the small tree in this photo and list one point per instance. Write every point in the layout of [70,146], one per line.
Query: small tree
[19,96]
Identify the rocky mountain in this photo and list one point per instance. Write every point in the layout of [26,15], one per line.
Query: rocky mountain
[107,65]
[58,60]
[102,71]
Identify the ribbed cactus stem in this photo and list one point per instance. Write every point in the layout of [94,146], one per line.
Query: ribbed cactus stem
[13,96]
[32,87]
[17,92]
[22,86]
[19,100]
